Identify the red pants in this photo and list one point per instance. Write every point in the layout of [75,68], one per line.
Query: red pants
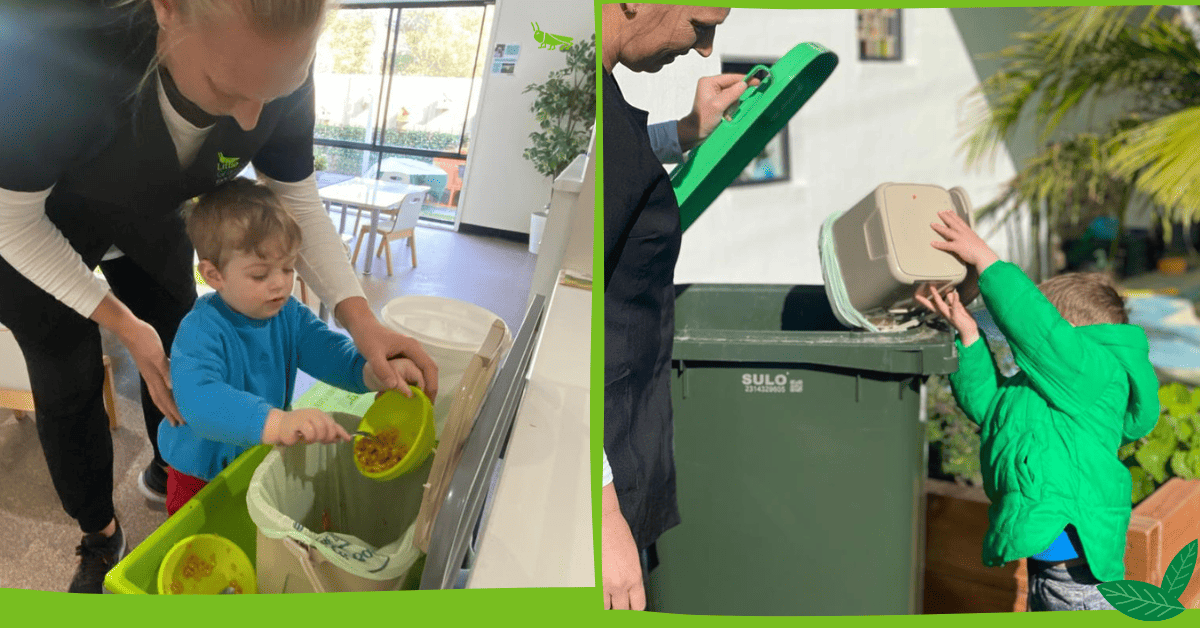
[180,489]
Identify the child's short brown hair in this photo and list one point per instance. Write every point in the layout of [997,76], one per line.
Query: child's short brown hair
[241,215]
[1085,298]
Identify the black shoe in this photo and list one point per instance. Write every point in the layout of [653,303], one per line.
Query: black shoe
[97,554]
[153,483]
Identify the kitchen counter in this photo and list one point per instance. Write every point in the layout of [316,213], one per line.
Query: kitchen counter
[539,531]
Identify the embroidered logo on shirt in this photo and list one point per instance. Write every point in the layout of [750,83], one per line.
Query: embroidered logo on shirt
[227,167]
[1144,601]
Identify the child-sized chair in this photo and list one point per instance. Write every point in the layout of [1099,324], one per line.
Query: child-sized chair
[16,392]
[401,225]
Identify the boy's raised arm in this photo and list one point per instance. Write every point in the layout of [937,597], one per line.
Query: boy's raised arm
[976,381]
[1049,350]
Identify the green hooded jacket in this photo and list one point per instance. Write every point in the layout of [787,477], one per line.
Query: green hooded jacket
[1049,434]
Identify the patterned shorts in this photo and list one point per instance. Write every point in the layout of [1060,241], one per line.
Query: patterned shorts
[1058,587]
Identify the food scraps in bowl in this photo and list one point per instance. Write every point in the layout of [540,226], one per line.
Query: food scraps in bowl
[381,453]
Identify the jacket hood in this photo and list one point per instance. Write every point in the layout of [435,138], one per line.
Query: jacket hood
[1131,348]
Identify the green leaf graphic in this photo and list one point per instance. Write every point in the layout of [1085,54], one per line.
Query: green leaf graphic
[1179,572]
[1140,600]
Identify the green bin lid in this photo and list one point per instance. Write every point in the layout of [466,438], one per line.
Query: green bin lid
[761,111]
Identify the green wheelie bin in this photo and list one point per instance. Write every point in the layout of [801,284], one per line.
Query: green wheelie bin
[800,452]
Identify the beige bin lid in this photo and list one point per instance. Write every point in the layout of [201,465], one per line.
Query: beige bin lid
[461,418]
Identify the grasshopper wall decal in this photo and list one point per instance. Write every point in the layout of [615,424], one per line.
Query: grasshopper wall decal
[548,40]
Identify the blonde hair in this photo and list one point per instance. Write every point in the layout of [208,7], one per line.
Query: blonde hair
[272,18]
[240,215]
[266,17]
[1085,298]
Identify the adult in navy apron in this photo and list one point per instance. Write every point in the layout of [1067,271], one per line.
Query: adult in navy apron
[99,99]
[641,244]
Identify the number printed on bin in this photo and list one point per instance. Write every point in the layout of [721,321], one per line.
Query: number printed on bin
[768,383]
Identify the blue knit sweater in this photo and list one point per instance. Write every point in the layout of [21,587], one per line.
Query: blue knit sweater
[229,370]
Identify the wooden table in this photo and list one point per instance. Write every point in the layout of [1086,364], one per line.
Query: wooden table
[369,194]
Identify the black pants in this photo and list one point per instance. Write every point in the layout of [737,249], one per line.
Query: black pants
[64,357]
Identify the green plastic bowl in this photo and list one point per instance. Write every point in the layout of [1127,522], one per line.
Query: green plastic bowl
[413,417]
[206,564]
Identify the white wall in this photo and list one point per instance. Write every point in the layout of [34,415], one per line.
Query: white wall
[870,123]
[501,187]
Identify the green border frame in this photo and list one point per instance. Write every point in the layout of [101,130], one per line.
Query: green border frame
[486,608]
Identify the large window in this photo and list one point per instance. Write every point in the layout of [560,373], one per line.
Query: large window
[397,89]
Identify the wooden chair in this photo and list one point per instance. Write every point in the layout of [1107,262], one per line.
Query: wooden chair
[15,390]
[403,224]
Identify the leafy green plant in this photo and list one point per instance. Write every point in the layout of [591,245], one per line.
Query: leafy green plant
[1145,62]
[1147,602]
[1172,449]
[954,435]
[565,108]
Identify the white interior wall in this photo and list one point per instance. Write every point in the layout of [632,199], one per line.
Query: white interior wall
[870,123]
[501,188]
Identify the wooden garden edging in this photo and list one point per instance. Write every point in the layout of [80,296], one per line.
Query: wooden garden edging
[956,580]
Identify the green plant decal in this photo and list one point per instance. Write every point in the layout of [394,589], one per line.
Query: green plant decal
[1179,572]
[1140,600]
[1144,601]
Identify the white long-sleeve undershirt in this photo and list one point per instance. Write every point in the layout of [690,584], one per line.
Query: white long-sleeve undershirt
[39,251]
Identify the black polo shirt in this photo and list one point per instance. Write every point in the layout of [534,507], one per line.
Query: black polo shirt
[75,118]
[641,244]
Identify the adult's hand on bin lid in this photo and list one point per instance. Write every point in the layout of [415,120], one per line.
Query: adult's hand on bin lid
[714,94]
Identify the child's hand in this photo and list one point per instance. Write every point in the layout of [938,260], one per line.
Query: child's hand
[407,369]
[952,309]
[963,242]
[306,424]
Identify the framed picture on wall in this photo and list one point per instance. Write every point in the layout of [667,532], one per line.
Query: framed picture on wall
[879,35]
[772,164]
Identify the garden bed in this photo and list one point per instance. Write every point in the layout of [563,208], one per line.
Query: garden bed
[956,580]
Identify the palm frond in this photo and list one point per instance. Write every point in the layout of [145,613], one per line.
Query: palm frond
[1078,55]
[1164,154]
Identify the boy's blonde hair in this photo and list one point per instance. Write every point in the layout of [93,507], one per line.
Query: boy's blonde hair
[241,215]
[1086,298]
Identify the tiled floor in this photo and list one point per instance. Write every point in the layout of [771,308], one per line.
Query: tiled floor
[38,552]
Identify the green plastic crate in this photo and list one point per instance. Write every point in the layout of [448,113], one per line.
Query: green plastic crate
[220,507]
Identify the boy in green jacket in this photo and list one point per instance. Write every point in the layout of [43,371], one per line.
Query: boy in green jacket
[1049,434]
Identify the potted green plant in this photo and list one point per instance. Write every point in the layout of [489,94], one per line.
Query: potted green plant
[565,108]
